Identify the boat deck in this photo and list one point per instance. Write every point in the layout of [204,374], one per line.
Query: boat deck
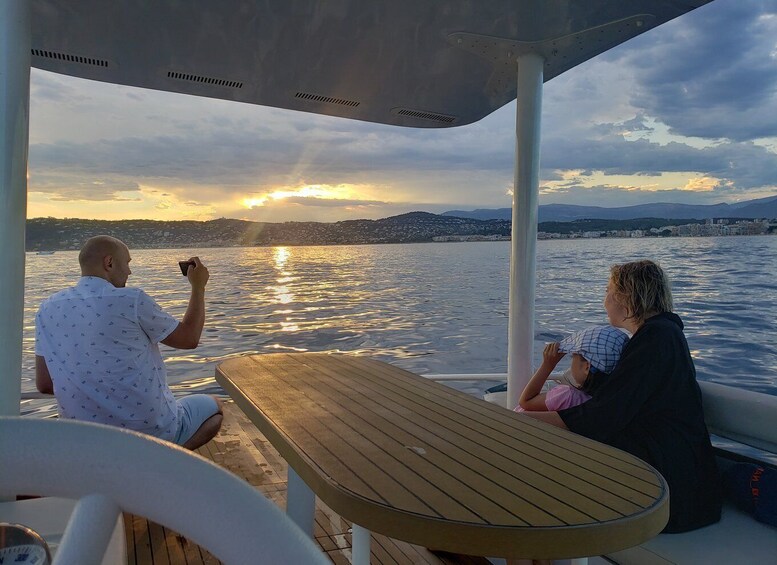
[243,450]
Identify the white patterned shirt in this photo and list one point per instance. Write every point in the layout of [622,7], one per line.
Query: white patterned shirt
[101,348]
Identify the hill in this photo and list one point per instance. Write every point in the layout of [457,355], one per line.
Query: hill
[760,208]
[60,234]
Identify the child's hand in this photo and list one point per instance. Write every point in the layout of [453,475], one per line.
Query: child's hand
[551,355]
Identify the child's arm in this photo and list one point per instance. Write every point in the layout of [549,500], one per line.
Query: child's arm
[531,399]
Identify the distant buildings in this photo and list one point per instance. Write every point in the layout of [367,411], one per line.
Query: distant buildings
[720,227]
[471,238]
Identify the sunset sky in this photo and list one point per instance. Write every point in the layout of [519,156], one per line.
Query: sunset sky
[684,113]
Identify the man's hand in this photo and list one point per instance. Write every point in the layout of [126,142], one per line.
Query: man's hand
[197,274]
[187,334]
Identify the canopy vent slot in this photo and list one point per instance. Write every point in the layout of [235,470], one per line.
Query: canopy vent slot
[205,80]
[326,99]
[67,57]
[422,115]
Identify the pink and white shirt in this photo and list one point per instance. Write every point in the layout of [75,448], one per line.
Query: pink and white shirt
[561,397]
[101,348]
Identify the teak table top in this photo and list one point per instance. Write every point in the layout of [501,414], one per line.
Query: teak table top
[421,462]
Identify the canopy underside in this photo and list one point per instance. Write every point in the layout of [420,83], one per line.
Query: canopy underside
[412,63]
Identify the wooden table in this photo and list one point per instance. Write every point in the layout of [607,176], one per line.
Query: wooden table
[418,461]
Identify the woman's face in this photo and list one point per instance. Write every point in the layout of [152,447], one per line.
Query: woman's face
[616,311]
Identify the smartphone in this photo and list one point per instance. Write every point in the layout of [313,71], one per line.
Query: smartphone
[185,266]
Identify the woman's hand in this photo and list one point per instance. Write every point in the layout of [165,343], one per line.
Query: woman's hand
[551,355]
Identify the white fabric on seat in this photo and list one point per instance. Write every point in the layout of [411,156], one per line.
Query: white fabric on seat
[735,537]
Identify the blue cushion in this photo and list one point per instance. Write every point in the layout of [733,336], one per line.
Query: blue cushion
[753,488]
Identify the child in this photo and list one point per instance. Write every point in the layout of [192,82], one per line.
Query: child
[595,351]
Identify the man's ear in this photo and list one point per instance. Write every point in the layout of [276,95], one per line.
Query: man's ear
[108,262]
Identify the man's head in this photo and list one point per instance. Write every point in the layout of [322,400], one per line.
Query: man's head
[105,257]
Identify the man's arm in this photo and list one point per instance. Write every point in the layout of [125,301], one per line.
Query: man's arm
[42,377]
[187,334]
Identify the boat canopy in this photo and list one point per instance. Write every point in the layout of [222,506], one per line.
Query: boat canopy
[418,63]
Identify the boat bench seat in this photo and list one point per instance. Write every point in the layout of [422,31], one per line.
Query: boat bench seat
[749,418]
[746,417]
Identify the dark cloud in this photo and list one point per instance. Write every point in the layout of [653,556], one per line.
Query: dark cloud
[614,196]
[68,187]
[240,159]
[711,73]
[746,165]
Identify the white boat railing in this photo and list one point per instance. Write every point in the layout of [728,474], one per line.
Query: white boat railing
[441,377]
[109,470]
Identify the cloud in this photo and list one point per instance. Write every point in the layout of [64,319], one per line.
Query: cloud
[712,73]
[747,165]
[66,186]
[252,157]
[47,88]
[702,184]
[615,196]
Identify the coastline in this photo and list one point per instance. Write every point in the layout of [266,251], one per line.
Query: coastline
[453,239]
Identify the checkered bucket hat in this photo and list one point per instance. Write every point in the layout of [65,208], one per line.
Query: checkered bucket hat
[600,345]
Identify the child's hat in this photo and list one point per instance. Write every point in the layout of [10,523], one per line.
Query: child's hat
[600,345]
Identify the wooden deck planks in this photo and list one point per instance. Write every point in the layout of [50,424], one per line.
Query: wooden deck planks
[243,450]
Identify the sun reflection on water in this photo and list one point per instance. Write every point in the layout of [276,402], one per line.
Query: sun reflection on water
[282,290]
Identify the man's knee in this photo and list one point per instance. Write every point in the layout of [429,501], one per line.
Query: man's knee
[206,432]
[214,423]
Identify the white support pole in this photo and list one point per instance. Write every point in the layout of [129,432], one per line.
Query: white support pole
[14,125]
[300,503]
[520,336]
[360,545]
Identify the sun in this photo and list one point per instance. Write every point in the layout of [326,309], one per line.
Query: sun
[319,191]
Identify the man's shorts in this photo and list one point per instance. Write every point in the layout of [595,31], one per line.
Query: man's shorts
[193,410]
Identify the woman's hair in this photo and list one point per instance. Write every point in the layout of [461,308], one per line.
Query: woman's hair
[643,288]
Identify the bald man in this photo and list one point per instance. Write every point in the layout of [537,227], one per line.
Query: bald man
[97,350]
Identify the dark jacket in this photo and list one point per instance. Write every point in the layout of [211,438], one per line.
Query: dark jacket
[650,406]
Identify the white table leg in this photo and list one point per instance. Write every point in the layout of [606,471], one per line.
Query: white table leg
[301,503]
[360,546]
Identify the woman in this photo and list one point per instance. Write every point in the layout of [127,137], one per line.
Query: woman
[650,406]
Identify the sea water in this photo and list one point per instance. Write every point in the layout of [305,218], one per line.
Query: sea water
[439,307]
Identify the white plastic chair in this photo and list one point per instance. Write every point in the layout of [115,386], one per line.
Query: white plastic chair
[110,470]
